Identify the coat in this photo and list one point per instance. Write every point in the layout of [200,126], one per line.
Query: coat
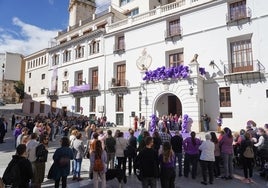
[62,171]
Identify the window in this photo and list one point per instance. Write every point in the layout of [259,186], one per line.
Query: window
[67,56]
[119,103]
[226,115]
[53,106]
[176,59]
[174,28]
[95,79]
[79,52]
[119,119]
[31,107]
[43,91]
[30,75]
[225,97]
[121,75]
[29,89]
[79,78]
[93,104]
[123,2]
[65,86]
[94,47]
[133,12]
[121,43]
[43,76]
[42,106]
[241,56]
[55,59]
[77,104]
[238,10]
[266,93]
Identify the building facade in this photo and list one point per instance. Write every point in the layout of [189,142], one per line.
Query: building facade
[144,58]
[12,71]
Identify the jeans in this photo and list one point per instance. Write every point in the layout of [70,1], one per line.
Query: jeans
[178,156]
[77,167]
[149,181]
[131,160]
[228,164]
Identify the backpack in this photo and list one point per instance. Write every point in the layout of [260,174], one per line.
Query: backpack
[98,165]
[248,153]
[12,175]
[41,153]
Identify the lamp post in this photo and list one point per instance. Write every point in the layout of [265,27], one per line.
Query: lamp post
[140,98]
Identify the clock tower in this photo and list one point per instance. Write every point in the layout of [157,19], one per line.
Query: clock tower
[80,10]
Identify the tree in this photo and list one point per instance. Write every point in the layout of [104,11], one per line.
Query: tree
[19,88]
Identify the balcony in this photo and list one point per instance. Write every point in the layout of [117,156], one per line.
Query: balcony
[53,95]
[239,15]
[119,49]
[250,71]
[118,86]
[173,34]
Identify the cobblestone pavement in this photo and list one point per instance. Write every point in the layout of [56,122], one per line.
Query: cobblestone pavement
[7,150]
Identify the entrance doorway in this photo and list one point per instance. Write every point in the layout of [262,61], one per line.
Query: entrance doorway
[168,104]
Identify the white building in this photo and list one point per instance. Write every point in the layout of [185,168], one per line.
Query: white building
[99,62]
[11,71]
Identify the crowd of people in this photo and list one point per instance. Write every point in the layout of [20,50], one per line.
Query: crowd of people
[162,154]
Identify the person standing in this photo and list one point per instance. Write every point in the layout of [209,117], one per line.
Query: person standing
[99,153]
[167,164]
[219,124]
[191,148]
[23,172]
[227,151]
[148,164]
[120,146]
[13,119]
[176,143]
[217,154]
[62,157]
[132,146]
[2,130]
[41,159]
[207,159]
[110,149]
[206,121]
[78,149]
[247,161]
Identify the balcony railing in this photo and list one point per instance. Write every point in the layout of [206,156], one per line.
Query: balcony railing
[170,33]
[239,14]
[119,49]
[118,83]
[253,66]
[79,88]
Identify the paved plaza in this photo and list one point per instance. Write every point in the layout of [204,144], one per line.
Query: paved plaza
[7,150]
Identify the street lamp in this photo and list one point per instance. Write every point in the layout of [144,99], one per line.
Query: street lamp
[140,98]
[191,89]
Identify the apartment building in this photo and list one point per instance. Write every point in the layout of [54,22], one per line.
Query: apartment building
[141,58]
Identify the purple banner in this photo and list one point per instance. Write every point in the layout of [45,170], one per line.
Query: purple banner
[79,88]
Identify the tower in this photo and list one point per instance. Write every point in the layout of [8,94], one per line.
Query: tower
[80,10]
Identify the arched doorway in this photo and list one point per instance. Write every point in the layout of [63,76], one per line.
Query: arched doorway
[168,103]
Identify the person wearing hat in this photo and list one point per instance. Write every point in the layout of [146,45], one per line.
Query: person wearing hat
[207,159]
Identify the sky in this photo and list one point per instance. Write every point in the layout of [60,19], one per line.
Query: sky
[28,26]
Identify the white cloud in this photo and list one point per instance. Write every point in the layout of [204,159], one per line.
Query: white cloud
[28,39]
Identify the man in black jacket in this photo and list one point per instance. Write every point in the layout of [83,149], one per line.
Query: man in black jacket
[176,143]
[148,163]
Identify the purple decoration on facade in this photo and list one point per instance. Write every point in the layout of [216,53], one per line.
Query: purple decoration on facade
[164,73]
[185,121]
[202,71]
[153,123]
[79,88]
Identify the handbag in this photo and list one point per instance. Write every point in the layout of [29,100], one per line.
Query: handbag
[51,172]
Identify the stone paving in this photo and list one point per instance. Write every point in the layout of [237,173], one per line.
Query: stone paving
[7,150]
